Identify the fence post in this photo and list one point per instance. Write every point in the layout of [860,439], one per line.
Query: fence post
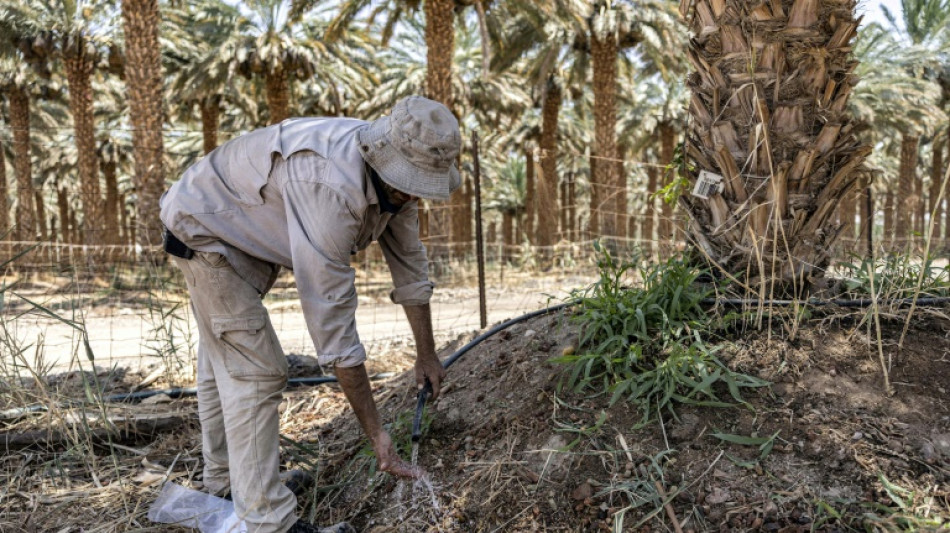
[479,241]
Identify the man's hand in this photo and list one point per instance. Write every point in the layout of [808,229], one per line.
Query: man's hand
[427,362]
[429,368]
[389,460]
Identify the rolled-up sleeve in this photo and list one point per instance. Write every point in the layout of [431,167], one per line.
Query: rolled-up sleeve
[322,230]
[406,256]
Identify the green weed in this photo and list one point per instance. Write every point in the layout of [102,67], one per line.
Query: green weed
[646,344]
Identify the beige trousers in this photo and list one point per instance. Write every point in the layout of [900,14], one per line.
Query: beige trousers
[242,373]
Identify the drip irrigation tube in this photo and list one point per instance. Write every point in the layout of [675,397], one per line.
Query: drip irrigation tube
[180,392]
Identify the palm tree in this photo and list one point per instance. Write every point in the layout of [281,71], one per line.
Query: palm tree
[926,26]
[145,85]
[72,32]
[890,98]
[18,100]
[770,126]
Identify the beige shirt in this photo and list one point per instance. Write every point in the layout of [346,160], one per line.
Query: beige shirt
[258,206]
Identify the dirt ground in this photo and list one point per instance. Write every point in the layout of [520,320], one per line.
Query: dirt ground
[507,449]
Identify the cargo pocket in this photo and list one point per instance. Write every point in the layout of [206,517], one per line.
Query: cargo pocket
[252,350]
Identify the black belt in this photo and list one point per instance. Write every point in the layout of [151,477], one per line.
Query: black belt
[175,247]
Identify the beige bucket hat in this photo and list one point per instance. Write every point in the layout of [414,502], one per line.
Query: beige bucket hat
[414,149]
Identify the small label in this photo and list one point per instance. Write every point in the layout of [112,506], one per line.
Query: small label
[707,185]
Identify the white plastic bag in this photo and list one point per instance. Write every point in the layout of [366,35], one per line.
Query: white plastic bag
[191,508]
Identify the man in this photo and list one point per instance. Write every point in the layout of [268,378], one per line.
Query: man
[304,194]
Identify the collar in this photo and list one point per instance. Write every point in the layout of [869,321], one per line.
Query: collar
[384,204]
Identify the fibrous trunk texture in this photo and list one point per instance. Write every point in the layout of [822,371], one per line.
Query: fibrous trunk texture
[111,214]
[20,122]
[905,186]
[936,178]
[887,239]
[530,200]
[440,47]
[604,50]
[649,214]
[145,88]
[40,206]
[667,144]
[547,185]
[79,68]
[4,206]
[865,235]
[277,88]
[62,202]
[770,87]
[210,117]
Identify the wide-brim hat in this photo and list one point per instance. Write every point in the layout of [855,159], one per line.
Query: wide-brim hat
[415,148]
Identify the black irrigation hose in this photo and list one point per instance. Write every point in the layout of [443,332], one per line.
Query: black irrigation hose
[865,302]
[179,392]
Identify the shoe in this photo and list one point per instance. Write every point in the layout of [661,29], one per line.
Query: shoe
[298,481]
[303,527]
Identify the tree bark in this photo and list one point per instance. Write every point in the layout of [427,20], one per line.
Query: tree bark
[887,238]
[40,214]
[769,112]
[547,184]
[623,212]
[62,202]
[277,88]
[906,190]
[440,49]
[210,118]
[529,196]
[145,87]
[507,235]
[604,51]
[111,214]
[867,221]
[649,212]
[4,201]
[667,146]
[79,69]
[936,178]
[20,123]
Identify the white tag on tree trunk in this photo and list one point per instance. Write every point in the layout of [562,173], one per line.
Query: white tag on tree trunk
[707,185]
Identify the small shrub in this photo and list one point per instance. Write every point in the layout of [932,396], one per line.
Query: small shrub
[646,345]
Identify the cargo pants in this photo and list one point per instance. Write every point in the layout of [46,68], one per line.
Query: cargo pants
[242,373]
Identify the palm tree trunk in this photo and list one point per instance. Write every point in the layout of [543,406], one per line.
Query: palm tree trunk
[79,69]
[667,145]
[563,232]
[547,185]
[210,118]
[906,178]
[111,214]
[783,121]
[507,235]
[277,88]
[40,213]
[593,223]
[846,216]
[572,209]
[867,220]
[484,37]
[20,123]
[649,213]
[530,202]
[145,87]
[62,202]
[936,178]
[604,52]
[623,212]
[887,238]
[440,48]
[4,205]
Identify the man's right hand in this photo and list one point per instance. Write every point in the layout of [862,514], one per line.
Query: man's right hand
[389,460]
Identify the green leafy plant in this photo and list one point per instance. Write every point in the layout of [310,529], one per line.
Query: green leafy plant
[645,344]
